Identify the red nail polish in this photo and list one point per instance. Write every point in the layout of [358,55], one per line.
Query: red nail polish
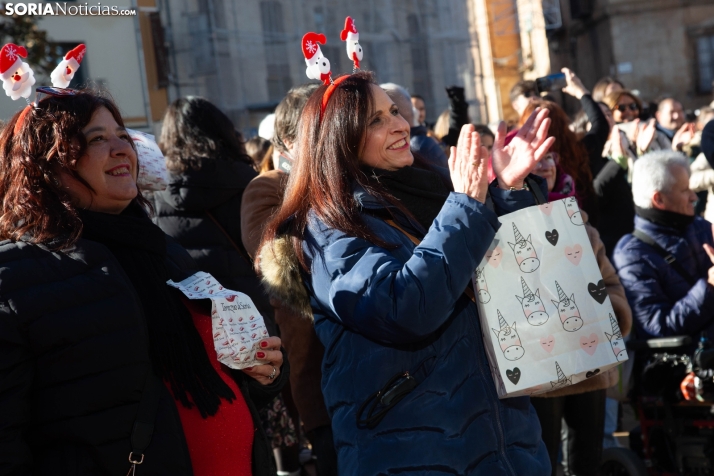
[264,344]
[260,355]
[248,368]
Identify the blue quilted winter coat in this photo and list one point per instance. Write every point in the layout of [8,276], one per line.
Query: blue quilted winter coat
[382,312]
[663,302]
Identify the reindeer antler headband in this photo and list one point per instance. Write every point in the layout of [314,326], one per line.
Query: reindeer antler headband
[318,66]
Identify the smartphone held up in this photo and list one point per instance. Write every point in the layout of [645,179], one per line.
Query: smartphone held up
[552,82]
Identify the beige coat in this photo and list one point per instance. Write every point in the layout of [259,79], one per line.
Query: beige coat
[261,199]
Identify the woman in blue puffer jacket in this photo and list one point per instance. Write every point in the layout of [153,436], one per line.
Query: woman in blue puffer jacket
[380,252]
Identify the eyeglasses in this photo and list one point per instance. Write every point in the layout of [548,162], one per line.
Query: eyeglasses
[624,107]
[43,92]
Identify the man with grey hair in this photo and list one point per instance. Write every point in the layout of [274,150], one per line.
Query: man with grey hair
[420,143]
[665,265]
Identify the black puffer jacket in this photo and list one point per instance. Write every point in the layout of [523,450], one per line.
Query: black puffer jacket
[73,362]
[182,212]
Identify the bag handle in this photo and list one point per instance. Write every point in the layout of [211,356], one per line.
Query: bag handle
[668,257]
[143,428]
[535,190]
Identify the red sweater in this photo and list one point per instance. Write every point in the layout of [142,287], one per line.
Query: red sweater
[222,444]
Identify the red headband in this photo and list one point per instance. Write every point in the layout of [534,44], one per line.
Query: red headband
[328,92]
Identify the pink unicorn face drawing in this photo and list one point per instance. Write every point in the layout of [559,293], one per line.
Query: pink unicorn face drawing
[571,206]
[482,286]
[616,341]
[568,311]
[618,346]
[508,339]
[524,252]
[532,305]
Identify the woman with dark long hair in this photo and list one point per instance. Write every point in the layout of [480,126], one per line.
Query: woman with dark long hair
[209,170]
[381,250]
[103,367]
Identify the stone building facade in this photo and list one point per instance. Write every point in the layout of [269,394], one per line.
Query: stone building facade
[245,54]
[658,47]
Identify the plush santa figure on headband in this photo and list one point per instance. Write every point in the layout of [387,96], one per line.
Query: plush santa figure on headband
[318,67]
[17,77]
[351,36]
[64,72]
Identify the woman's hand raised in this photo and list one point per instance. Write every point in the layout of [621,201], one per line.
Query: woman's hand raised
[513,162]
[467,164]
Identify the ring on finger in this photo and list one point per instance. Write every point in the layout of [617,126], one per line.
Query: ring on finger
[272,375]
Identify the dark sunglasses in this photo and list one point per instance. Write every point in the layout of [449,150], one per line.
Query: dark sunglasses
[43,92]
[624,107]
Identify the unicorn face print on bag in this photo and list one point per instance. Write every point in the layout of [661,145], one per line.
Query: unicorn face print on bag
[571,206]
[524,252]
[616,341]
[568,310]
[483,295]
[532,305]
[508,339]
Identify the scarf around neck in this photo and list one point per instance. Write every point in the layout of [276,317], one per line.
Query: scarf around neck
[177,352]
[674,220]
[564,186]
[422,192]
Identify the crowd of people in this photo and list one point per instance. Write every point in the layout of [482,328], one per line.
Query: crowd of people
[355,228]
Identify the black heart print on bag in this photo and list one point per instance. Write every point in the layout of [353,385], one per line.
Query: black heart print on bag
[514,375]
[598,291]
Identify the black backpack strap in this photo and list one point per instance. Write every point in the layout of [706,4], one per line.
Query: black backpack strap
[143,428]
[668,257]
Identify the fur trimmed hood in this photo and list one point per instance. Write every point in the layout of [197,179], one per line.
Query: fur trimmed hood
[280,271]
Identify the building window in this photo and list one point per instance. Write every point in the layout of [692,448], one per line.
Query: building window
[419,46]
[705,63]
[276,53]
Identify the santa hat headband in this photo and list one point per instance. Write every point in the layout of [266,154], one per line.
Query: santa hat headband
[318,66]
[18,77]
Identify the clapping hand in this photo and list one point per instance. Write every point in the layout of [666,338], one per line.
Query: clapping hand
[513,162]
[684,135]
[467,165]
[644,135]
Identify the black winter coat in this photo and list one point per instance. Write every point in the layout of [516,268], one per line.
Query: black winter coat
[181,211]
[73,362]
[615,208]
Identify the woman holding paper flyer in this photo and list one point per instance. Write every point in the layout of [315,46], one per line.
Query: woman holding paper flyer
[381,250]
[104,368]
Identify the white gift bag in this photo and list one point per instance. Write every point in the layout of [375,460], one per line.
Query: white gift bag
[153,174]
[546,317]
[238,327]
